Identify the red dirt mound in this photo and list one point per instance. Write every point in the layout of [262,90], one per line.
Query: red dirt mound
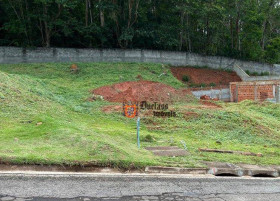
[205,97]
[205,75]
[140,91]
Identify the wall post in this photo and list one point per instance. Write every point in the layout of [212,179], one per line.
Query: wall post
[277,94]
[255,92]
[236,93]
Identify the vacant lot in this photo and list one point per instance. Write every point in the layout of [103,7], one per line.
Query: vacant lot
[46,118]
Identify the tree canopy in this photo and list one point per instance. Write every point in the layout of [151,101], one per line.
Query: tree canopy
[244,29]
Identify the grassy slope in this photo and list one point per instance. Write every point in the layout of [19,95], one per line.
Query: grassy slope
[77,131]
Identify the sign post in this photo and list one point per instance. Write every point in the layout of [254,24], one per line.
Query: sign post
[130,110]
[138,134]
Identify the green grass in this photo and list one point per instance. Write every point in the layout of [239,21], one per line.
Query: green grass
[256,73]
[76,131]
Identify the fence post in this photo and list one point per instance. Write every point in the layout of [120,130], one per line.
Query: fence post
[277,94]
[236,93]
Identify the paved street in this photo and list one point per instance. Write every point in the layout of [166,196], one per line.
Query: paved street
[88,187]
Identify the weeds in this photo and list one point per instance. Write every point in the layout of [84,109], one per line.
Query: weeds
[257,74]
[77,131]
[185,78]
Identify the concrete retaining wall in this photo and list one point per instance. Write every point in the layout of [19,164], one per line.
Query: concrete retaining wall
[245,77]
[39,55]
[241,73]
[221,94]
[263,78]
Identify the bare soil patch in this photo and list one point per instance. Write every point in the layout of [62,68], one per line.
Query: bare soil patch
[190,115]
[210,104]
[112,108]
[206,76]
[137,91]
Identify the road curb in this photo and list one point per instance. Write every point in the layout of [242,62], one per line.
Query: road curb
[255,170]
[226,172]
[213,168]
[175,170]
[224,169]
[220,169]
[276,167]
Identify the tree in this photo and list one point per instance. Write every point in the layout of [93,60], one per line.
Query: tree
[244,29]
[272,53]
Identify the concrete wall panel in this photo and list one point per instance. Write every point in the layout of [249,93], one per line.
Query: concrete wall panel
[20,55]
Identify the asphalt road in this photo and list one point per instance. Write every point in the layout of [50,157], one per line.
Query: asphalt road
[86,187]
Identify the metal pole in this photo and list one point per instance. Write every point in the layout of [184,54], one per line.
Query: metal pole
[138,134]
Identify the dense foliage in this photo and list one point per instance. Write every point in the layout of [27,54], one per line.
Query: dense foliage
[246,29]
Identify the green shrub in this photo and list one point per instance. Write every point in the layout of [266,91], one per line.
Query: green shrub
[212,84]
[202,85]
[199,85]
[256,73]
[192,85]
[200,66]
[228,70]
[264,74]
[185,78]
[148,138]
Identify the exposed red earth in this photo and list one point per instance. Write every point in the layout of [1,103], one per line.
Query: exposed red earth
[137,91]
[209,104]
[205,97]
[206,76]
[112,108]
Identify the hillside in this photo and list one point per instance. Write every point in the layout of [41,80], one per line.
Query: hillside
[47,118]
